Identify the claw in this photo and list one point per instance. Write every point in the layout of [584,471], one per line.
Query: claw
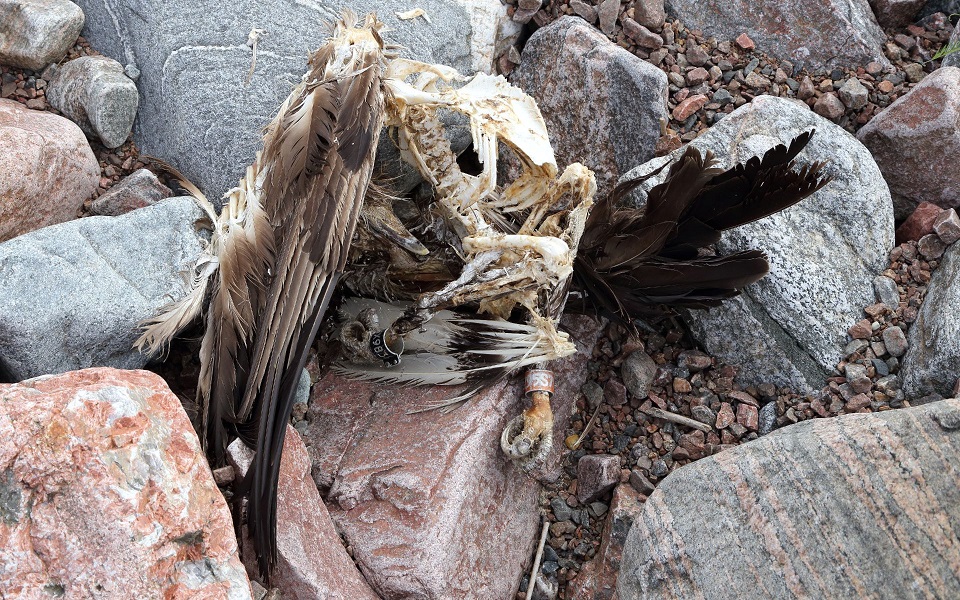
[528,438]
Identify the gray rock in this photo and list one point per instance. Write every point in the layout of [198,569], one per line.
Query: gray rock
[853,94]
[637,373]
[597,474]
[953,60]
[790,328]
[607,12]
[602,104]
[886,290]
[197,110]
[767,418]
[947,226]
[137,190]
[947,7]
[74,293]
[35,33]
[916,143]
[932,362]
[818,35]
[94,93]
[762,526]
[896,13]
[561,510]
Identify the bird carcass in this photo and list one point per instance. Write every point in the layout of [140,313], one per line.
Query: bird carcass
[518,245]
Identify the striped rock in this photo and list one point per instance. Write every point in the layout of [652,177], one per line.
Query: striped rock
[852,507]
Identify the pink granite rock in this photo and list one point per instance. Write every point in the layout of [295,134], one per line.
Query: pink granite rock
[47,169]
[428,503]
[598,579]
[312,560]
[920,223]
[916,143]
[106,494]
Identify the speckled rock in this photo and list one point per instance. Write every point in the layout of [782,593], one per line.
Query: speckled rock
[932,362]
[97,277]
[312,562]
[94,93]
[137,190]
[197,109]
[47,169]
[428,503]
[598,578]
[791,326]
[817,35]
[35,33]
[597,474]
[602,105]
[760,527]
[106,494]
[953,60]
[896,13]
[916,142]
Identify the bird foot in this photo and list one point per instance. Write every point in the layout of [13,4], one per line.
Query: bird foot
[528,438]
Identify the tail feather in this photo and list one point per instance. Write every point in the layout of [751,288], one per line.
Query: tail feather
[637,261]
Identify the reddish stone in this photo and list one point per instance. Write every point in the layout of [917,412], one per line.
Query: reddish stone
[744,42]
[681,386]
[614,393]
[598,579]
[829,106]
[743,398]
[428,503]
[47,169]
[689,106]
[861,330]
[858,402]
[106,493]
[920,223]
[312,562]
[725,416]
[916,143]
[748,416]
[596,475]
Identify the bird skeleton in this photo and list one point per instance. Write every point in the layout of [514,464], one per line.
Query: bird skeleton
[518,245]
[282,241]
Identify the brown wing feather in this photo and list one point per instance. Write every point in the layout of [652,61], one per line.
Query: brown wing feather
[315,168]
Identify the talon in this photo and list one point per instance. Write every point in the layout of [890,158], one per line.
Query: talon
[528,438]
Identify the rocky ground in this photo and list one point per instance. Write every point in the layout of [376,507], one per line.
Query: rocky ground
[653,399]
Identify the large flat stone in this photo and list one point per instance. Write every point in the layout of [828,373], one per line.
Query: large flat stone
[105,493]
[47,169]
[602,105]
[74,294]
[916,143]
[199,112]
[790,327]
[850,507]
[817,35]
[428,503]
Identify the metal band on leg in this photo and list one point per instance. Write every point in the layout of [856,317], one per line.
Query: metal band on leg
[538,380]
[381,350]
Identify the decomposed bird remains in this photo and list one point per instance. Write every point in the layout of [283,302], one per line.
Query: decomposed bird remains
[479,296]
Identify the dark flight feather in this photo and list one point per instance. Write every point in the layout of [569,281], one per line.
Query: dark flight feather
[634,262]
[274,285]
